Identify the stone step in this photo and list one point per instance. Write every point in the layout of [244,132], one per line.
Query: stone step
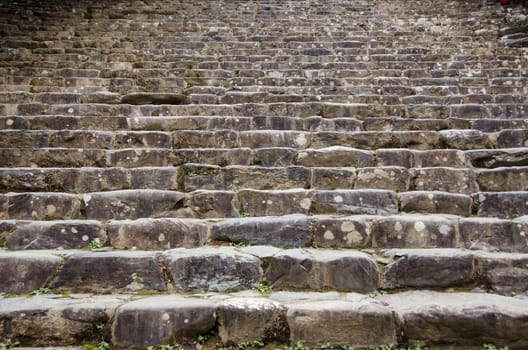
[357,231]
[229,269]
[308,319]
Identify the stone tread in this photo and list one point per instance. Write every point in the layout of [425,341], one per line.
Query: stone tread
[453,319]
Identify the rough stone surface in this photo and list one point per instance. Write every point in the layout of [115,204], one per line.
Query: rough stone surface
[161,320]
[415,231]
[339,322]
[428,268]
[213,204]
[333,178]
[343,232]
[355,202]
[503,204]
[68,234]
[156,233]
[461,318]
[387,178]
[275,202]
[503,272]
[491,234]
[322,269]
[286,231]
[104,272]
[40,206]
[435,202]
[244,319]
[444,179]
[216,269]
[335,156]
[131,204]
[23,272]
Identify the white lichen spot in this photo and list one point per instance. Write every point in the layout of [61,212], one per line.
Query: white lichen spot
[161,237]
[87,198]
[63,230]
[522,233]
[51,209]
[70,110]
[482,197]
[74,230]
[269,202]
[165,317]
[419,226]
[348,226]
[329,235]
[399,236]
[338,199]
[301,140]
[444,229]
[398,226]
[430,196]
[186,320]
[306,203]
[9,122]
[85,238]
[354,237]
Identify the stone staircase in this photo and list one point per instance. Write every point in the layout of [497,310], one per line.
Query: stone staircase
[279,174]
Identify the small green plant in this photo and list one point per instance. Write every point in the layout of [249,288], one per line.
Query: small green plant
[257,344]
[375,294]
[41,291]
[191,173]
[347,347]
[102,345]
[325,346]
[300,346]
[493,347]
[8,344]
[96,244]
[166,347]
[203,338]
[261,288]
[100,325]
[243,345]
[244,214]
[238,244]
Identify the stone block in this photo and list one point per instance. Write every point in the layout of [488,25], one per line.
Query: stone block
[215,269]
[205,139]
[100,179]
[80,139]
[274,202]
[460,319]
[24,272]
[275,138]
[494,158]
[192,177]
[131,204]
[375,202]
[62,321]
[467,139]
[362,324]
[428,268]
[245,319]
[512,138]
[42,206]
[156,233]
[435,202]
[105,272]
[155,178]
[385,178]
[502,204]
[492,234]
[441,158]
[262,178]
[444,179]
[395,157]
[213,204]
[333,178]
[415,231]
[283,231]
[335,156]
[276,156]
[71,234]
[343,231]
[505,273]
[142,139]
[503,179]
[323,269]
[162,320]
[137,157]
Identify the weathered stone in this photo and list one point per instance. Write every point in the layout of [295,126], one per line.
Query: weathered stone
[512,138]
[441,158]
[80,139]
[335,156]
[361,324]
[138,157]
[343,232]
[333,178]
[274,203]
[499,158]
[156,178]
[503,272]
[460,319]
[321,269]
[277,156]
[503,179]
[428,268]
[435,202]
[275,138]
[206,139]
[41,206]
[502,204]
[466,139]
[161,320]
[61,321]
[244,319]
[493,234]
[142,139]
[213,269]
[444,179]
[131,204]
[415,231]
[104,272]
[154,99]
[213,204]
[193,177]
[156,233]
[237,177]
[355,202]
[395,157]
[386,178]
[100,179]
[56,235]
[284,231]
[23,272]
[213,156]
[6,228]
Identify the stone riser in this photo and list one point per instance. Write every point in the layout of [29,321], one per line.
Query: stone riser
[227,269]
[454,319]
[355,231]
